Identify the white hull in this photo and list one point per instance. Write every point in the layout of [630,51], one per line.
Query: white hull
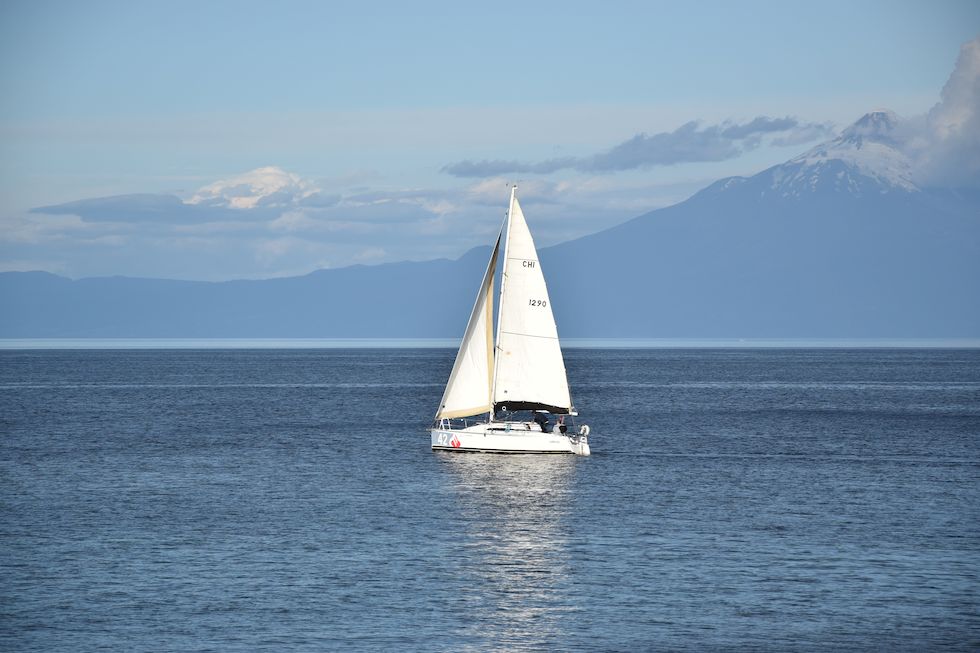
[508,437]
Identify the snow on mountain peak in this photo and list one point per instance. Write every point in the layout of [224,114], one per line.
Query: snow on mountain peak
[871,148]
[268,186]
[879,125]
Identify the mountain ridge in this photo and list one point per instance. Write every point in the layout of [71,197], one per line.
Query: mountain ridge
[837,242]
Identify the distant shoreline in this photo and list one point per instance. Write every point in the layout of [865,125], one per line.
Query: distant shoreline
[452,343]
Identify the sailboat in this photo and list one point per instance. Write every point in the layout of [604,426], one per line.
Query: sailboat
[508,393]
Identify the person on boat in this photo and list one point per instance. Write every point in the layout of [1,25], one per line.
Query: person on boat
[542,419]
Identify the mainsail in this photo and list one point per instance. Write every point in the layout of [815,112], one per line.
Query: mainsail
[468,390]
[530,370]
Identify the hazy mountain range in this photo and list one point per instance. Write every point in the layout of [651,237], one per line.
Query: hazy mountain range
[840,242]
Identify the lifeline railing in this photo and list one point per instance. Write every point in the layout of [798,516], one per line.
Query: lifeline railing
[457,423]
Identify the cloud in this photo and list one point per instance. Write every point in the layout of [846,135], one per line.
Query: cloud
[371,254]
[265,222]
[145,208]
[268,251]
[802,134]
[163,236]
[689,143]
[945,147]
[268,187]
[759,125]
[491,168]
[260,194]
[255,204]
[29,229]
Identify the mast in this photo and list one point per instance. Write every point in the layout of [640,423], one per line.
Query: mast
[500,301]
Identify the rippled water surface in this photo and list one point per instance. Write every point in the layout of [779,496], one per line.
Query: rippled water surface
[287,500]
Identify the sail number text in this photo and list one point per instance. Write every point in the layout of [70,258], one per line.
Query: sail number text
[538,302]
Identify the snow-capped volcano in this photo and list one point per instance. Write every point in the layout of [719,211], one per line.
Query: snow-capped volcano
[866,158]
[269,187]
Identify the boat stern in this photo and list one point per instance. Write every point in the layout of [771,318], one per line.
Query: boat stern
[445,439]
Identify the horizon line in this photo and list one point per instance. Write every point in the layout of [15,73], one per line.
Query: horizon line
[22,344]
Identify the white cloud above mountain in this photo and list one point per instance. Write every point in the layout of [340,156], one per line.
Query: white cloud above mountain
[946,151]
[692,142]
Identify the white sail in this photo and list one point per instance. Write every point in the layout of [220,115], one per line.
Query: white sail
[530,370]
[468,390]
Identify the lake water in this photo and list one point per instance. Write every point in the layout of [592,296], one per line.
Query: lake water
[287,500]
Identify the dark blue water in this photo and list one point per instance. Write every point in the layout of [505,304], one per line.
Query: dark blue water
[287,500]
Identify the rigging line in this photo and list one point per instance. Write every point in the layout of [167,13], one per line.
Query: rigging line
[529,335]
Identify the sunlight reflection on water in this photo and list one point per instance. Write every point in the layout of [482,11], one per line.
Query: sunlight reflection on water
[516,539]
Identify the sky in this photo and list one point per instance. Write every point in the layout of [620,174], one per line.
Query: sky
[225,140]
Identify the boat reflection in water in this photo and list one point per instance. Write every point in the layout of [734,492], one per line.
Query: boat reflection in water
[515,512]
